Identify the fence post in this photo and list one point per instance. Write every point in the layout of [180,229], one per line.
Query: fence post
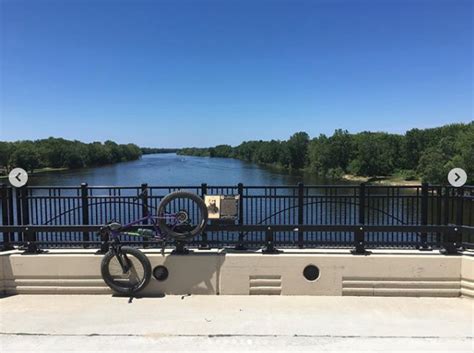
[11,208]
[204,244]
[300,213]
[18,213]
[85,212]
[424,216]
[446,205]
[28,236]
[145,211]
[451,242]
[359,248]
[5,218]
[25,215]
[439,200]
[240,190]
[269,245]
[460,213]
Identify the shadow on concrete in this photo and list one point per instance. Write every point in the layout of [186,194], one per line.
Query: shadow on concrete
[193,273]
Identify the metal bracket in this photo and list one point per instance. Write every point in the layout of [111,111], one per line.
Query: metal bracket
[32,249]
[270,247]
[450,246]
[359,247]
[180,249]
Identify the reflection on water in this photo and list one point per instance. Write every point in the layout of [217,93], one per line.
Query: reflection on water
[171,169]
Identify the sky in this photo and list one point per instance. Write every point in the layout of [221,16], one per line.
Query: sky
[201,73]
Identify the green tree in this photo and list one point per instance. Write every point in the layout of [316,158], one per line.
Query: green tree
[465,148]
[25,156]
[366,154]
[298,149]
[221,151]
[73,159]
[340,150]
[5,153]
[318,154]
[433,166]
[373,155]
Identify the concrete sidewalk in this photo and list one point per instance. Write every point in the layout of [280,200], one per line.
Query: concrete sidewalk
[35,323]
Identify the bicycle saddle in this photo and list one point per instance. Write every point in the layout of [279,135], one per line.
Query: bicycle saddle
[114,226]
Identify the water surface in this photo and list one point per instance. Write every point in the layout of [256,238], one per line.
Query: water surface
[171,169]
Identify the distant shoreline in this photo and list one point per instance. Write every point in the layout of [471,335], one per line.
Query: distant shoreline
[42,170]
[379,180]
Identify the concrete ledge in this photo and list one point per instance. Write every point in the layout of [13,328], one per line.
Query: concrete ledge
[383,273]
[467,276]
[406,287]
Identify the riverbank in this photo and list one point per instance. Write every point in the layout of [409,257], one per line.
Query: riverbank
[170,169]
[40,171]
[382,180]
[388,180]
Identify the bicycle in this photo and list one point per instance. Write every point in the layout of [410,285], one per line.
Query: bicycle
[127,270]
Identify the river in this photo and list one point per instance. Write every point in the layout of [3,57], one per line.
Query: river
[172,169]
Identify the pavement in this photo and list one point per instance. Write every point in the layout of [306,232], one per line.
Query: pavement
[88,323]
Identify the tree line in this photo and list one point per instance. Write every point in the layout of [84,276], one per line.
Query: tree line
[61,153]
[427,154]
[152,150]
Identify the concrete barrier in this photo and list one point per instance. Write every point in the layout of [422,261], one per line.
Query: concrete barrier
[226,272]
[467,276]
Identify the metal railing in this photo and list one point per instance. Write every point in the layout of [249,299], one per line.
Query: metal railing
[302,216]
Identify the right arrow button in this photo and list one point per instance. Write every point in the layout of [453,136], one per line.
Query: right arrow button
[457,177]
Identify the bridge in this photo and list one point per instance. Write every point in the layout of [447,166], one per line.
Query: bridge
[320,226]
[343,249]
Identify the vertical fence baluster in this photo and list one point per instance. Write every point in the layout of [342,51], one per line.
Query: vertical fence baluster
[85,211]
[240,191]
[460,213]
[300,213]
[11,208]
[446,205]
[145,210]
[25,220]
[439,221]
[424,216]
[359,234]
[204,245]
[18,213]
[5,218]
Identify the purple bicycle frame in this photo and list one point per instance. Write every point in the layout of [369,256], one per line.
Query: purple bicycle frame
[158,234]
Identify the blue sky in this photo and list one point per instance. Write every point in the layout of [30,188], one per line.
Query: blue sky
[199,73]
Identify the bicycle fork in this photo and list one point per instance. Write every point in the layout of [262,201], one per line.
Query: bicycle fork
[122,260]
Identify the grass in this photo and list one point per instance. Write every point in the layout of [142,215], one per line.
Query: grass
[39,171]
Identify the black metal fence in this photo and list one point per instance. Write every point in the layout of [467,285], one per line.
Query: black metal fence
[301,216]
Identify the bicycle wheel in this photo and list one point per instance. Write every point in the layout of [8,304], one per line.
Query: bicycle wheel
[182,215]
[137,272]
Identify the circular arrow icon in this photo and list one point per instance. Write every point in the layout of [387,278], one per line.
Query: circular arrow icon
[18,177]
[457,177]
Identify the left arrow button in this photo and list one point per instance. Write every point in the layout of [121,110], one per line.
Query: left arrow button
[18,177]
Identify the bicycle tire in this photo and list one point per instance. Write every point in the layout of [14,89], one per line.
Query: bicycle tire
[186,235]
[118,286]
